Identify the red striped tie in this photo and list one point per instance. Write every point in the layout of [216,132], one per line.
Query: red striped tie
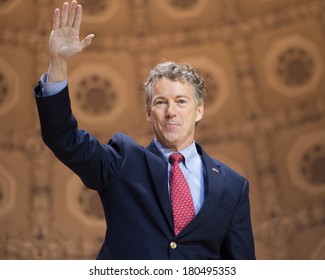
[181,198]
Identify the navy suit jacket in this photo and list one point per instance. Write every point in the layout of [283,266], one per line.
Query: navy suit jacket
[132,183]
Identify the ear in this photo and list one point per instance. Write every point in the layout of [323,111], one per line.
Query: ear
[148,113]
[199,112]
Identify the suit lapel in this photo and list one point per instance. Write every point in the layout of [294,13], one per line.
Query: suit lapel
[158,171]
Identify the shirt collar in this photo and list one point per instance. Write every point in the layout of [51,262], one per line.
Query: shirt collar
[188,153]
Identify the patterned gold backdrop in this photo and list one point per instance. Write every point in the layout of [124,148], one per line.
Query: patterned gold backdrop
[264,64]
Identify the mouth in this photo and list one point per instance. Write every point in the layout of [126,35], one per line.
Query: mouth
[171,126]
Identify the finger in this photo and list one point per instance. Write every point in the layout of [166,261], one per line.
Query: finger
[56,19]
[78,17]
[64,14]
[72,13]
[82,44]
[87,41]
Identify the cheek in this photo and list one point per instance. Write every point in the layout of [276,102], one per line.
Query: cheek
[190,117]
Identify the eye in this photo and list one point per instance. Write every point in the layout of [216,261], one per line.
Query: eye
[181,101]
[159,102]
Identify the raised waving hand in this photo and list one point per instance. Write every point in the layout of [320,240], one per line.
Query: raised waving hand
[64,40]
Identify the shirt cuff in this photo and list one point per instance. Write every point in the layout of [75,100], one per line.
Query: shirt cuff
[52,88]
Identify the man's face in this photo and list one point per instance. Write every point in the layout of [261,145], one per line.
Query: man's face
[173,113]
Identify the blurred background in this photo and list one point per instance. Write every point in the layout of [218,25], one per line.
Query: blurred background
[263,61]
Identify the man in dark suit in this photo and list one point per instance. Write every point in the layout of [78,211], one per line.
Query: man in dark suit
[167,201]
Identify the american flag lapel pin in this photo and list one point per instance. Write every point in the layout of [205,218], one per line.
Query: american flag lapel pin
[215,170]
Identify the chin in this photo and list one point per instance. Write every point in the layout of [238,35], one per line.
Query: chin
[171,137]
[167,140]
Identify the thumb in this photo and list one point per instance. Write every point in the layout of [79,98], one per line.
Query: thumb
[68,51]
[87,41]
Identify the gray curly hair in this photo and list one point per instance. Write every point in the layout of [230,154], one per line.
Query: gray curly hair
[176,72]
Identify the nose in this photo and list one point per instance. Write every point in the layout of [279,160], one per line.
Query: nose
[171,110]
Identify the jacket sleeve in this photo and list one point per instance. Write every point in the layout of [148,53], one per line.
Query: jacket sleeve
[92,161]
[239,242]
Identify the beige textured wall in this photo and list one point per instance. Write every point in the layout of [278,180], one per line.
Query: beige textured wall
[265,67]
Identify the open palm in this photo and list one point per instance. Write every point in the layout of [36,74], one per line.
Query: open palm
[64,40]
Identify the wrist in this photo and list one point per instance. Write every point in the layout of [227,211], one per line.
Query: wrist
[57,71]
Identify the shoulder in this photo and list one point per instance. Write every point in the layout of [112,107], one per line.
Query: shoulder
[123,143]
[121,138]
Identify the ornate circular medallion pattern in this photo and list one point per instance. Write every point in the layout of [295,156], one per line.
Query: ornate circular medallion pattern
[101,93]
[293,65]
[306,162]
[96,95]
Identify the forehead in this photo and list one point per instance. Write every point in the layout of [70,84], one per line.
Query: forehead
[167,87]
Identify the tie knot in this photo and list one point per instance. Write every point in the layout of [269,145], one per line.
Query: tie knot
[176,158]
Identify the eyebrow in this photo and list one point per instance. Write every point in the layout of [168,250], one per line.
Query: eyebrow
[177,96]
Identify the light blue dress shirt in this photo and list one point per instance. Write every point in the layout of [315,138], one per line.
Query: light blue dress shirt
[192,167]
[52,88]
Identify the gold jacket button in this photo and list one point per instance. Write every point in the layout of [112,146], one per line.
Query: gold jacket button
[173,245]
